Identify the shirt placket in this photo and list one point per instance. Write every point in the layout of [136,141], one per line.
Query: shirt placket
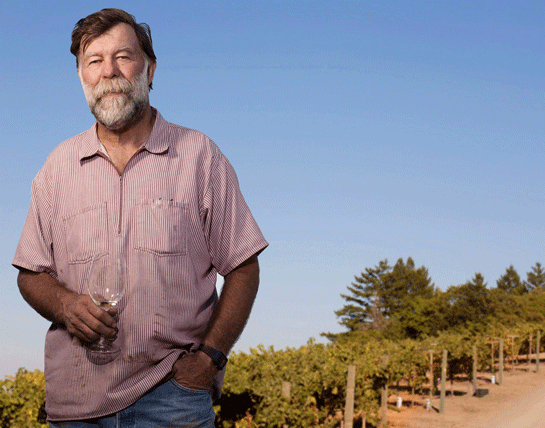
[120,208]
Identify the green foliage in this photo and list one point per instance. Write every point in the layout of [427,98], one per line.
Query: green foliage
[395,317]
[259,376]
[364,309]
[421,316]
[536,278]
[510,282]
[317,374]
[403,284]
[22,400]
[384,295]
[507,307]
[470,303]
[401,302]
[533,305]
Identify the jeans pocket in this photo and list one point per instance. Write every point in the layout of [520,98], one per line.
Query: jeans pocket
[176,406]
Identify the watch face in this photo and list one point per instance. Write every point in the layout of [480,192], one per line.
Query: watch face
[220,360]
[220,364]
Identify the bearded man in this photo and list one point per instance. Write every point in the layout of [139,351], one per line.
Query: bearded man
[165,200]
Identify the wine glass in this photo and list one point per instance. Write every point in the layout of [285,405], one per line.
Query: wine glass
[106,286]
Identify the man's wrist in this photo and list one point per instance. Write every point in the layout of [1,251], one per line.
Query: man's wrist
[218,358]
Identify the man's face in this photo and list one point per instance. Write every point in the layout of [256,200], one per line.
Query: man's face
[115,75]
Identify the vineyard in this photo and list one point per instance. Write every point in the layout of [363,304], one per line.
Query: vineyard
[253,394]
[397,321]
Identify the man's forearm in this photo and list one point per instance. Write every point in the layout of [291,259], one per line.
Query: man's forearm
[234,306]
[44,293]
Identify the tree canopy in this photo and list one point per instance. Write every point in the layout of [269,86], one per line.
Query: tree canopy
[536,278]
[386,293]
[510,282]
[401,301]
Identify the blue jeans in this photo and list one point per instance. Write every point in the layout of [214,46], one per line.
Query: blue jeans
[168,405]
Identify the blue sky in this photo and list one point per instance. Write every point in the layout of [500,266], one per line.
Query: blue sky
[360,131]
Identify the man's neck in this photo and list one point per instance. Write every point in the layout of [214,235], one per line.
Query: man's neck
[122,145]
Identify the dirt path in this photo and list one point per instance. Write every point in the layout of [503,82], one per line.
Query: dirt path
[518,403]
[520,412]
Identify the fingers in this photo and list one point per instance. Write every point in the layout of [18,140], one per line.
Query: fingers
[87,321]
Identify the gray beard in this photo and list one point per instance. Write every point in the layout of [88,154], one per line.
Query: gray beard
[118,116]
[119,112]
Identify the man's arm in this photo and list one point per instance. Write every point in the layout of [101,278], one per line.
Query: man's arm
[234,306]
[196,371]
[77,312]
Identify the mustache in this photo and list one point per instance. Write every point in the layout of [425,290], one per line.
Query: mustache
[116,85]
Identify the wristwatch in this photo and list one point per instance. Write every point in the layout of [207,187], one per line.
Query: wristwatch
[218,358]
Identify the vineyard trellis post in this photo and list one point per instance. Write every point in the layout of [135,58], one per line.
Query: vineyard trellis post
[512,336]
[384,397]
[529,352]
[474,376]
[413,385]
[538,349]
[349,406]
[431,377]
[500,376]
[443,381]
[286,392]
[492,362]
[529,356]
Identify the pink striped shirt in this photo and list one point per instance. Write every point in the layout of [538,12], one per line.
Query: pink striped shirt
[177,215]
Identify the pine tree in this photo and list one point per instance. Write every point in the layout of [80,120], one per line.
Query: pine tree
[536,278]
[364,308]
[384,293]
[470,302]
[510,282]
[403,284]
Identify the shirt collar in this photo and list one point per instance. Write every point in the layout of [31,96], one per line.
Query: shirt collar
[156,143]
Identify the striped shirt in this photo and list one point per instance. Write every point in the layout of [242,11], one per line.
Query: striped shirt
[177,216]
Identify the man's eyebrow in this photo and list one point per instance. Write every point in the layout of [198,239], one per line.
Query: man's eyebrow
[125,49]
[90,54]
[121,49]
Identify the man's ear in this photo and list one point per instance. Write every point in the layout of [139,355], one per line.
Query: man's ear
[151,72]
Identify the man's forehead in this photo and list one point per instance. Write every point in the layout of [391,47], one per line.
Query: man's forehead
[120,37]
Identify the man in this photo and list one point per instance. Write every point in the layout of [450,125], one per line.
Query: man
[166,200]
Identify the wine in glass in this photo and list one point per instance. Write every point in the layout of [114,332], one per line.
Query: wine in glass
[106,286]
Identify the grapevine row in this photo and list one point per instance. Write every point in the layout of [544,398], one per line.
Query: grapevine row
[317,374]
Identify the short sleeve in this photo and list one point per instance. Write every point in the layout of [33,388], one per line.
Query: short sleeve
[35,248]
[231,231]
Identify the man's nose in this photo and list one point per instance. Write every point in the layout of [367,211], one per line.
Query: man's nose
[109,69]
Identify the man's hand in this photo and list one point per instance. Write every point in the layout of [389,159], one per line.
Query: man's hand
[77,312]
[195,371]
[85,320]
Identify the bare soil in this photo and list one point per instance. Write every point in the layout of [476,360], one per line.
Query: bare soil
[517,403]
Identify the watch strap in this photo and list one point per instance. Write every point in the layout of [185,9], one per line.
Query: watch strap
[218,358]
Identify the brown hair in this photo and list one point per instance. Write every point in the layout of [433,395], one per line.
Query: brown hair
[89,28]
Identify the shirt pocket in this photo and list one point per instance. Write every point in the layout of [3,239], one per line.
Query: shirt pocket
[161,227]
[86,233]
